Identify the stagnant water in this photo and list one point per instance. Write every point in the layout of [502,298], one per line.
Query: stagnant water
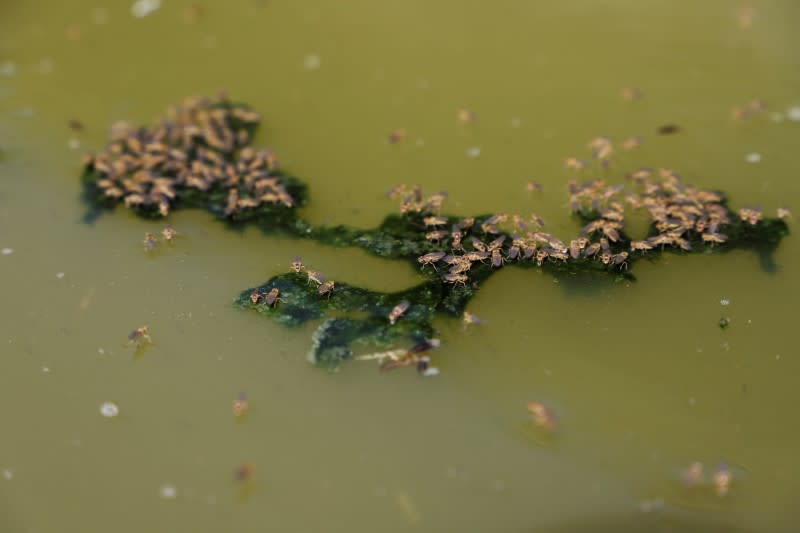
[642,379]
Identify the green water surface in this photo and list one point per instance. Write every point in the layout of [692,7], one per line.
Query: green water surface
[642,379]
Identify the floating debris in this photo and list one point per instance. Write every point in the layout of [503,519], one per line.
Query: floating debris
[143,8]
[668,129]
[75,125]
[631,94]
[396,136]
[745,17]
[109,409]
[465,116]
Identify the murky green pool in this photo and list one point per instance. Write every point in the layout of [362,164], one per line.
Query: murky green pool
[642,379]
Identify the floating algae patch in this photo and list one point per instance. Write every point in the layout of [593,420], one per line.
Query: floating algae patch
[199,155]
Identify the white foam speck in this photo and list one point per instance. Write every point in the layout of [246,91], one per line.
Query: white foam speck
[109,409]
[7,251]
[8,474]
[753,157]
[168,492]
[473,152]
[724,301]
[142,8]
[793,113]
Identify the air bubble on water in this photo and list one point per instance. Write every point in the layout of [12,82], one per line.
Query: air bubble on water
[109,409]
[311,62]
[8,68]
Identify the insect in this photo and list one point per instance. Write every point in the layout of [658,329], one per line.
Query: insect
[783,213]
[255,297]
[476,256]
[434,221]
[272,297]
[149,242]
[477,244]
[513,252]
[240,405]
[297,264]
[456,279]
[631,143]
[574,249]
[168,233]
[436,235]
[496,244]
[641,246]
[722,478]
[315,276]
[456,236]
[693,475]
[139,336]
[714,238]
[326,287]
[542,416]
[244,472]
[469,318]
[398,310]
[533,186]
[573,163]
[430,259]
[497,258]
[620,259]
